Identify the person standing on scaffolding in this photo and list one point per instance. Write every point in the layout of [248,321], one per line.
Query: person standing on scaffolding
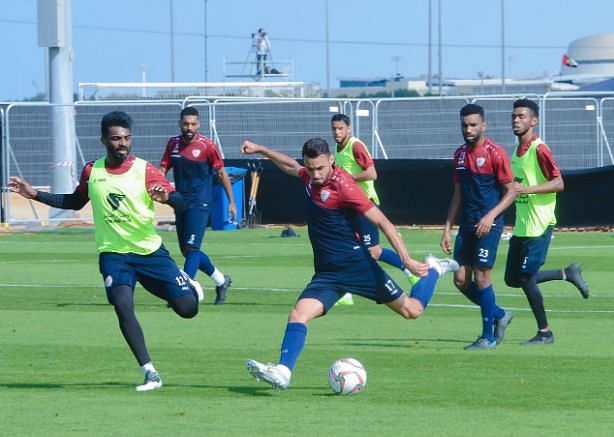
[263,48]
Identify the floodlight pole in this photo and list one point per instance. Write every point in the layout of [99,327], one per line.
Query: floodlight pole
[430,75]
[54,32]
[439,44]
[172,42]
[503,46]
[206,45]
[327,53]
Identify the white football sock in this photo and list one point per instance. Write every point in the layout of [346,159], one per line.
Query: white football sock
[148,367]
[218,277]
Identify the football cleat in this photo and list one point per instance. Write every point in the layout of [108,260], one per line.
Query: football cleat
[220,290]
[442,266]
[152,381]
[481,344]
[573,274]
[540,339]
[501,325]
[276,375]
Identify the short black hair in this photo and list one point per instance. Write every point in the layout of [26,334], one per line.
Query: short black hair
[115,118]
[526,103]
[315,147]
[341,117]
[472,109]
[190,110]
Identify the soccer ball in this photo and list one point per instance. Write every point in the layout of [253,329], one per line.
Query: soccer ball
[347,377]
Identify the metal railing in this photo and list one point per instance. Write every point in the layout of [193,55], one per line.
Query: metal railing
[579,128]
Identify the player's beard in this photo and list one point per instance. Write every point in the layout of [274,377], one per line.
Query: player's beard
[120,154]
[188,137]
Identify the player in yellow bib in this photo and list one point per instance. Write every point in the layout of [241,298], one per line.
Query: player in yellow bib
[122,189]
[537,180]
[352,156]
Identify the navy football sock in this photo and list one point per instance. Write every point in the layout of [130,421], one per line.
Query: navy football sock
[205,264]
[389,256]
[473,294]
[549,275]
[487,306]
[292,344]
[192,259]
[423,289]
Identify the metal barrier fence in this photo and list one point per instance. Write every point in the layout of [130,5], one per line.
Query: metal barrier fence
[579,128]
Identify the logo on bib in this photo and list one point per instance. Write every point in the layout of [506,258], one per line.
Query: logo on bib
[114,199]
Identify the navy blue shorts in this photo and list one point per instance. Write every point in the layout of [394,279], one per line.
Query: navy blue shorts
[156,272]
[365,278]
[470,250]
[527,254]
[369,233]
[191,225]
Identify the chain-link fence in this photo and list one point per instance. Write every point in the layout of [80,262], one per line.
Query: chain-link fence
[578,128]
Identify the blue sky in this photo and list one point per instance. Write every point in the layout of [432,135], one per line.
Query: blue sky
[113,38]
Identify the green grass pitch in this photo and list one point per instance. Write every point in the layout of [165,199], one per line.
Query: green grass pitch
[66,370]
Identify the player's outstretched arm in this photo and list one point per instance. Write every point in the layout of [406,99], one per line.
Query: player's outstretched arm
[21,187]
[284,162]
[381,221]
[62,201]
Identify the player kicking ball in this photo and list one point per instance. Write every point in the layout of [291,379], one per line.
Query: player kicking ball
[342,263]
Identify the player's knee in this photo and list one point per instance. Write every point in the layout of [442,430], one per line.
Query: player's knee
[415,313]
[412,309]
[185,250]
[509,280]
[297,316]
[185,307]
[122,300]
[461,284]
[375,251]
[513,281]
[188,313]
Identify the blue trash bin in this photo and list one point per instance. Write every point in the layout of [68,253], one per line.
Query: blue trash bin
[219,207]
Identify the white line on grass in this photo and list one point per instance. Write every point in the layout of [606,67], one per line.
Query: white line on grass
[439,305]
[445,305]
[581,247]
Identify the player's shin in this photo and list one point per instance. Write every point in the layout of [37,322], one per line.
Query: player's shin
[292,344]
[423,290]
[487,307]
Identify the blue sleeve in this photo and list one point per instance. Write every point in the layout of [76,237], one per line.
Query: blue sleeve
[175,200]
